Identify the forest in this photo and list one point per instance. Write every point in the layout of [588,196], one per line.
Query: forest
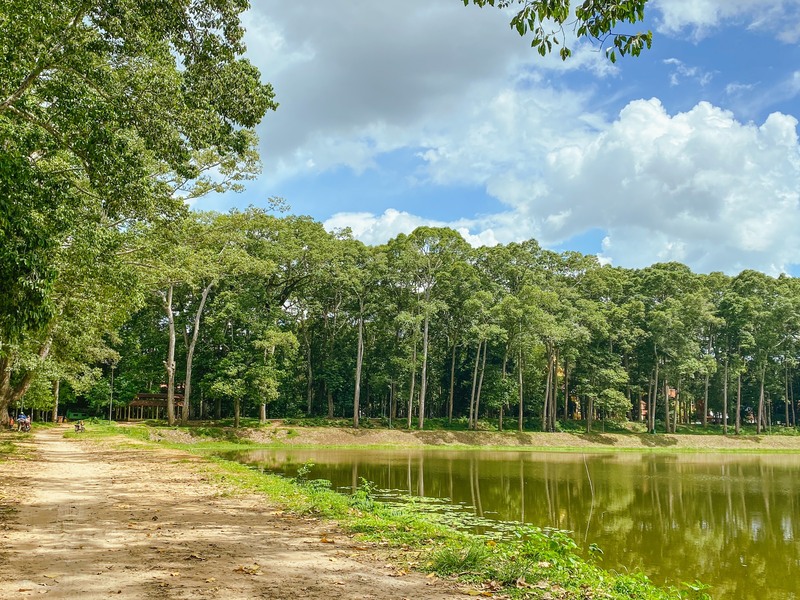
[263,314]
[114,117]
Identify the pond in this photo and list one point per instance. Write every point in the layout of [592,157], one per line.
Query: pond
[732,521]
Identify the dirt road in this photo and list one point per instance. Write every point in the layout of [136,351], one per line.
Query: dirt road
[95,522]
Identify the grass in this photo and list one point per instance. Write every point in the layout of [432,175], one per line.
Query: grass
[6,449]
[533,563]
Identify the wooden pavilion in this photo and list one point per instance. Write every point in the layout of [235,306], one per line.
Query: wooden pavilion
[152,406]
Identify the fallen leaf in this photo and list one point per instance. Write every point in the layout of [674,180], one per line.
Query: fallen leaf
[522,584]
[175,574]
[327,540]
[211,580]
[477,593]
[249,570]
[195,556]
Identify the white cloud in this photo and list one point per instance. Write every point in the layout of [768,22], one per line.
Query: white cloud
[698,187]
[782,17]
[357,78]
[681,71]
[377,229]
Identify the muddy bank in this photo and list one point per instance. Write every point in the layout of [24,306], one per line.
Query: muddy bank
[278,433]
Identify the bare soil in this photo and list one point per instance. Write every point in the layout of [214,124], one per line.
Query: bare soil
[80,519]
[277,432]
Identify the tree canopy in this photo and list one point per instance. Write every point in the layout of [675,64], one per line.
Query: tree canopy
[108,111]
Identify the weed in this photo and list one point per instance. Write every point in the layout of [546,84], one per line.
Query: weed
[457,560]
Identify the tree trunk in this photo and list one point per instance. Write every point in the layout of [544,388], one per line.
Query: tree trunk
[423,385]
[412,385]
[655,399]
[725,400]
[474,386]
[786,395]
[452,384]
[589,414]
[12,394]
[705,403]
[566,390]
[218,409]
[520,391]
[677,407]
[760,418]
[666,405]
[480,386]
[56,391]
[310,376]
[262,413]
[547,387]
[392,402]
[187,392]
[359,362]
[170,362]
[330,401]
[739,405]
[236,412]
[554,393]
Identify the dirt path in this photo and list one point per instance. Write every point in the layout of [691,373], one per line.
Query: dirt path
[93,522]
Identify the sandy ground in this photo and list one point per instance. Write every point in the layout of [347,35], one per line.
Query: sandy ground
[82,520]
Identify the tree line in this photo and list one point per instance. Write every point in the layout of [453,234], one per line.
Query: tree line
[270,315]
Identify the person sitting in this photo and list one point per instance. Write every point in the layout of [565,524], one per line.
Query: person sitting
[22,420]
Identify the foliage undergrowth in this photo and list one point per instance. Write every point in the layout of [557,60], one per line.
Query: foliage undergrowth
[534,563]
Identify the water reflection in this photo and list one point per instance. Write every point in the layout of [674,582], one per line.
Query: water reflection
[731,521]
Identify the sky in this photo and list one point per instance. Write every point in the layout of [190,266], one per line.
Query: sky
[400,113]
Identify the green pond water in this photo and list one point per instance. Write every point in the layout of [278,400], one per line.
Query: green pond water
[731,521]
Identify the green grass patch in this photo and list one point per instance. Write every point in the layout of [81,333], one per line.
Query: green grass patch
[6,449]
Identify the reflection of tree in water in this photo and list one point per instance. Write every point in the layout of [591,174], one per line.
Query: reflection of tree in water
[731,521]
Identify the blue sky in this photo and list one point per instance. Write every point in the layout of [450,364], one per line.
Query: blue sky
[406,112]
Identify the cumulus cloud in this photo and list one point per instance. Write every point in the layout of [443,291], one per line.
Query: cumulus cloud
[697,187]
[356,79]
[703,16]
[371,228]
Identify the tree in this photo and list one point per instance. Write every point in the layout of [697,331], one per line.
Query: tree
[594,20]
[106,109]
[433,253]
[93,296]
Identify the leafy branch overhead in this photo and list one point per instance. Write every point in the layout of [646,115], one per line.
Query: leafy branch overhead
[548,21]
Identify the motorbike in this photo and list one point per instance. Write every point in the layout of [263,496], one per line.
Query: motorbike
[79,427]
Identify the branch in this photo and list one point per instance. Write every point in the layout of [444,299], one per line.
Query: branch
[42,66]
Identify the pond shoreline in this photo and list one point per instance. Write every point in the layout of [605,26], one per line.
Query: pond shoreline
[278,433]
